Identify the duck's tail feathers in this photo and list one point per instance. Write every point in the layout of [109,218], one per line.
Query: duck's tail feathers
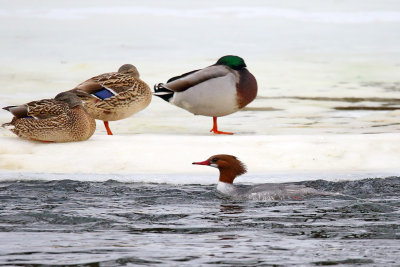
[8,126]
[161,91]
[18,111]
[8,108]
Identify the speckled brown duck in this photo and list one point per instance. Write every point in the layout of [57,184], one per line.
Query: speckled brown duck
[62,119]
[115,95]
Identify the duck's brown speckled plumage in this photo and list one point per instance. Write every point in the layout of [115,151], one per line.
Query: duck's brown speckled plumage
[52,120]
[133,94]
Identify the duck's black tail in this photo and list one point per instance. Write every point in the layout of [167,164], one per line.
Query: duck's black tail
[161,91]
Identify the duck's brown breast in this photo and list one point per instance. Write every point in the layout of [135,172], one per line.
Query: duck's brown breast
[246,88]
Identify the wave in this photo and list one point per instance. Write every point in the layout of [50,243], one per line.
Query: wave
[190,178]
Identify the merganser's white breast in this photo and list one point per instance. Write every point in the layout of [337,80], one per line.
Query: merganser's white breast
[227,189]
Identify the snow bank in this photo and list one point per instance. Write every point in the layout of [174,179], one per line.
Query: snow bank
[168,158]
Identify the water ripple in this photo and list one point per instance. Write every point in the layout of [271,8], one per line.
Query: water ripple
[73,223]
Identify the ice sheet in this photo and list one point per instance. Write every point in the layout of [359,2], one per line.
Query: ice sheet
[168,158]
[327,72]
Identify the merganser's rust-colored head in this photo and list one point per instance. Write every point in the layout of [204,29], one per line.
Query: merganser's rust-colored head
[229,167]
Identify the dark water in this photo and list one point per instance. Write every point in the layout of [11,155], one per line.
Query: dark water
[73,223]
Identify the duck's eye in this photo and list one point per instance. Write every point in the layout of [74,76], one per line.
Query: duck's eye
[214,160]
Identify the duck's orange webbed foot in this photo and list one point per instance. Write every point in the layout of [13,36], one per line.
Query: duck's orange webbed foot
[215,128]
[219,132]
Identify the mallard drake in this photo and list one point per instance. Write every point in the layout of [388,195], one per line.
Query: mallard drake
[115,95]
[62,119]
[218,90]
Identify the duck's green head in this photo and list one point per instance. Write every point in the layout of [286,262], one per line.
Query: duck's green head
[234,62]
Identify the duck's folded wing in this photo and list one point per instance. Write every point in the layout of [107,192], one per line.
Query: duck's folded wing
[40,109]
[103,87]
[184,82]
[93,90]
[181,76]
[89,86]
[119,83]
[138,89]
[46,108]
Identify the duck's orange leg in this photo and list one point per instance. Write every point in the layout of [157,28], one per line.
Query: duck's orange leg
[215,127]
[107,128]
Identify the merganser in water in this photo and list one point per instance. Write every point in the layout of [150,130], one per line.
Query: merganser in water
[115,95]
[218,90]
[230,167]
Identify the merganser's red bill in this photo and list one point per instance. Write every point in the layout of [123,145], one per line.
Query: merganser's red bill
[206,162]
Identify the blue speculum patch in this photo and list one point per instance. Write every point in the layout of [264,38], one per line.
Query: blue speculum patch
[103,94]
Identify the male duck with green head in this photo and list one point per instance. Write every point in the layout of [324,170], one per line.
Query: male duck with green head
[218,90]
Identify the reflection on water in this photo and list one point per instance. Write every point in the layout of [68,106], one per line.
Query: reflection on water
[231,208]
